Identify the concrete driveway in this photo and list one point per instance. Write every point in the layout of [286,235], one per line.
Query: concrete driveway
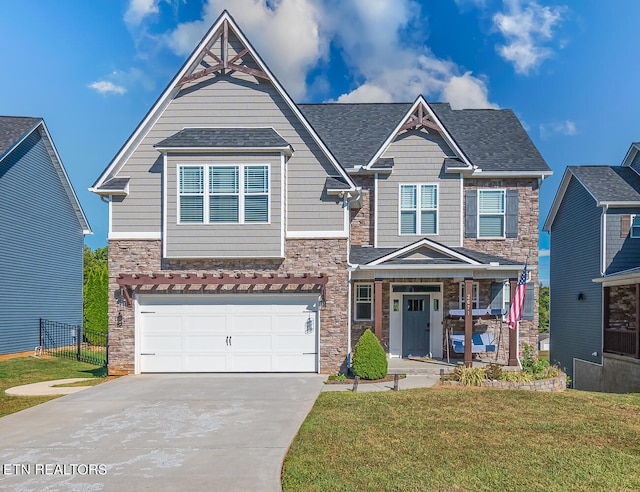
[159,432]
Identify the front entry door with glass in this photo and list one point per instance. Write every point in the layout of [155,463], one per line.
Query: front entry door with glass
[416,329]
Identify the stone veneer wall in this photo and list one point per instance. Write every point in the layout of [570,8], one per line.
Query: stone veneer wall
[518,249]
[551,385]
[326,256]
[361,218]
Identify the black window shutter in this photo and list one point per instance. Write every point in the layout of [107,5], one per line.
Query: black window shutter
[528,302]
[511,227]
[471,215]
[496,295]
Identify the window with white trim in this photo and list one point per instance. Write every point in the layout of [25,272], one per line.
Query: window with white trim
[491,213]
[419,209]
[364,302]
[237,194]
[474,292]
[635,226]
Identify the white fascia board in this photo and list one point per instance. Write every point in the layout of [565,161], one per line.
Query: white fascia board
[419,244]
[82,218]
[444,268]
[21,139]
[479,173]
[275,150]
[135,235]
[624,204]
[630,155]
[447,137]
[566,178]
[317,235]
[171,90]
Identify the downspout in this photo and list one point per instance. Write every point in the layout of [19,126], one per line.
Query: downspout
[347,200]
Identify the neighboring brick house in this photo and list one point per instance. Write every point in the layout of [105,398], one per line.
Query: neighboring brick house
[42,228]
[248,233]
[594,224]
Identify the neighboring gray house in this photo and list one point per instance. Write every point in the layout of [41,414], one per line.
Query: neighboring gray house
[594,224]
[42,230]
[251,234]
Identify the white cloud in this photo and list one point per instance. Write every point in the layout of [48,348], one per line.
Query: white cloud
[526,28]
[382,43]
[287,34]
[566,128]
[107,87]
[138,10]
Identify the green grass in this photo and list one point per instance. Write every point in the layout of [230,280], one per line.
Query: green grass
[26,370]
[467,439]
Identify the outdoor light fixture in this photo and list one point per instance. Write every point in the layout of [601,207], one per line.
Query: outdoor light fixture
[580,296]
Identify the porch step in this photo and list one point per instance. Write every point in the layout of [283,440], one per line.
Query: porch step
[418,367]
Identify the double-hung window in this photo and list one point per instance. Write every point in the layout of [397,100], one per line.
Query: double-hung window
[236,194]
[364,302]
[491,213]
[419,209]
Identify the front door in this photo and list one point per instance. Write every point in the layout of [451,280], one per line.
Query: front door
[415,326]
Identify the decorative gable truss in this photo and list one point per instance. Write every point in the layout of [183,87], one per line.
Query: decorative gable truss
[212,64]
[422,117]
[223,51]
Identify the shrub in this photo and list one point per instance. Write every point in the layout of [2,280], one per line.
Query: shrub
[494,371]
[369,359]
[470,376]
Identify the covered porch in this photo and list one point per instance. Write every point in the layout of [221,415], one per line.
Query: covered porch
[621,313]
[427,301]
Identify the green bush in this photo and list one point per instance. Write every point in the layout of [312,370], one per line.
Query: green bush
[470,376]
[369,359]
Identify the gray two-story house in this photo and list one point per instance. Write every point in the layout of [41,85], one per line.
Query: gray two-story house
[42,228]
[594,224]
[248,233]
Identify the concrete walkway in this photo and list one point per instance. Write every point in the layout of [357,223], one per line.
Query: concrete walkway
[411,381]
[159,432]
[46,388]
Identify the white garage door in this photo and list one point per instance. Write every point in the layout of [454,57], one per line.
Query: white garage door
[223,333]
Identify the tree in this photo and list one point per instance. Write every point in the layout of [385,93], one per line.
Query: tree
[543,310]
[96,289]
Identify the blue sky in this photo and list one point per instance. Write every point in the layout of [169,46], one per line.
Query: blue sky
[92,69]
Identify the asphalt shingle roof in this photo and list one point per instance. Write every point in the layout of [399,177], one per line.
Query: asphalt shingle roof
[362,255]
[354,132]
[492,139]
[12,128]
[609,183]
[225,138]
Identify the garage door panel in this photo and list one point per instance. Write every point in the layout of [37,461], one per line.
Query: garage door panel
[161,363]
[227,333]
[204,343]
[206,363]
[206,323]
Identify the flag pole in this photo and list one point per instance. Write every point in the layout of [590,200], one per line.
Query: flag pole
[526,262]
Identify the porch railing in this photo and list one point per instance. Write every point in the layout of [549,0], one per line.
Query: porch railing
[621,340]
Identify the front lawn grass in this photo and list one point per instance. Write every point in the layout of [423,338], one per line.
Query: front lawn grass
[467,439]
[26,370]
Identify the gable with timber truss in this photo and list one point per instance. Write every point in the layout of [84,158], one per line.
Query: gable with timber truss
[224,85]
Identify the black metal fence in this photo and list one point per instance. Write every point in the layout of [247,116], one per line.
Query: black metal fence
[73,342]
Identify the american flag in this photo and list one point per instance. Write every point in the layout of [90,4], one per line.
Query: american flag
[517,304]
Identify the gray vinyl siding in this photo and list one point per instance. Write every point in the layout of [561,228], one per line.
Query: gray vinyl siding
[236,101]
[224,240]
[575,326]
[635,164]
[41,255]
[418,158]
[622,253]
